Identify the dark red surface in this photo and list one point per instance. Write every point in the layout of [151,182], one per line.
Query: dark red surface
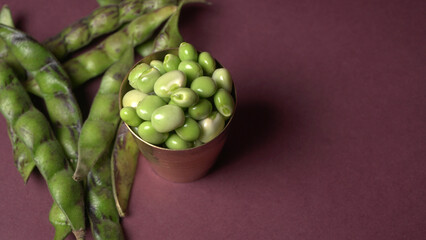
[329,141]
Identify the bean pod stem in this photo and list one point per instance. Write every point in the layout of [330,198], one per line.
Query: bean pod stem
[169,36]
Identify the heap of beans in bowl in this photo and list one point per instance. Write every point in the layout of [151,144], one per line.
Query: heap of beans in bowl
[181,102]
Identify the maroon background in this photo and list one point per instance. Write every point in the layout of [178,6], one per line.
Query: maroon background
[329,141]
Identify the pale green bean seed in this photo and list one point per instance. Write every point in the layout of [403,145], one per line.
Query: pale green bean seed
[207,63]
[157,64]
[204,86]
[147,106]
[168,82]
[211,126]
[129,116]
[166,99]
[145,83]
[224,102]
[200,110]
[171,102]
[184,97]
[190,131]
[191,69]
[171,62]
[176,143]
[223,79]
[167,118]
[149,134]
[187,52]
[132,98]
[136,73]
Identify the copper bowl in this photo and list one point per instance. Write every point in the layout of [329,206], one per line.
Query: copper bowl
[178,165]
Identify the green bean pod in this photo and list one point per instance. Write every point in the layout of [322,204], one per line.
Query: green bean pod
[102,212]
[12,61]
[94,62]
[124,160]
[107,2]
[54,85]
[146,47]
[169,36]
[99,129]
[21,154]
[6,19]
[60,222]
[35,132]
[103,20]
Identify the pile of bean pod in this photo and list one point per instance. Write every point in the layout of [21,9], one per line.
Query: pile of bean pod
[181,102]
[99,150]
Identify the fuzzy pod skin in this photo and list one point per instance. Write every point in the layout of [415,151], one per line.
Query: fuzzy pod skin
[107,2]
[99,129]
[103,20]
[103,216]
[169,36]
[11,60]
[21,154]
[35,132]
[61,104]
[94,62]
[124,161]
[6,19]
[145,48]
[60,222]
